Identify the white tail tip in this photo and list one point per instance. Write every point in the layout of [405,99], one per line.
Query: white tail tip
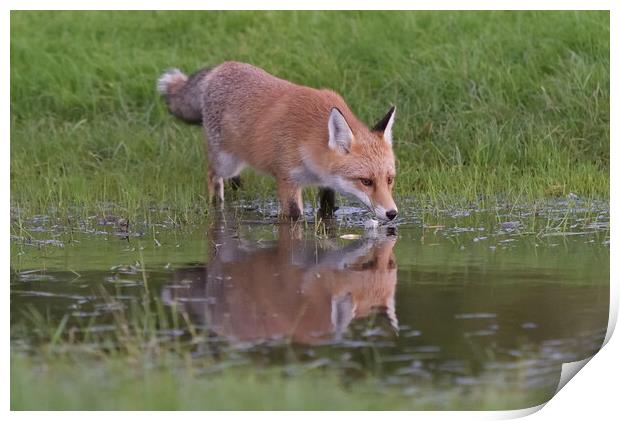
[169,78]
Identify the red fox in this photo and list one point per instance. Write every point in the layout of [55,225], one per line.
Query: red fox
[300,135]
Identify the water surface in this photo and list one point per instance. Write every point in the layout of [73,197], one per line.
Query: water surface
[452,300]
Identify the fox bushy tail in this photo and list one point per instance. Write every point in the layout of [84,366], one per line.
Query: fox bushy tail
[183,94]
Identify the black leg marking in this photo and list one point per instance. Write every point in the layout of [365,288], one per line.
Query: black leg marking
[293,210]
[327,202]
[235,182]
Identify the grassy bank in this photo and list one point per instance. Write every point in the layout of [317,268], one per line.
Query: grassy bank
[121,384]
[490,105]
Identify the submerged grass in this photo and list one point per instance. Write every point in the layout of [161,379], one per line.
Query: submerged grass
[491,105]
[135,367]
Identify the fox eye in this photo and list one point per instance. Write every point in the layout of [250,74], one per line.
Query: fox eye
[366,181]
[390,180]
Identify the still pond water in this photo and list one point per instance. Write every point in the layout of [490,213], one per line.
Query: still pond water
[454,299]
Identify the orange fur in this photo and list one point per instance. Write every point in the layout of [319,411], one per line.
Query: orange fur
[280,128]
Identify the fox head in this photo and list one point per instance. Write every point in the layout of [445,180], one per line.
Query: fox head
[363,162]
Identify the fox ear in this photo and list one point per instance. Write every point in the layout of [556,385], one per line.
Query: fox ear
[391,314]
[340,134]
[385,125]
[343,310]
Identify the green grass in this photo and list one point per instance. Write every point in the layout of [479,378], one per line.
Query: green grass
[113,384]
[491,105]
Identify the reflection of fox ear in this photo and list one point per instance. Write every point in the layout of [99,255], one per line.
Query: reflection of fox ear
[169,298]
[391,314]
[342,313]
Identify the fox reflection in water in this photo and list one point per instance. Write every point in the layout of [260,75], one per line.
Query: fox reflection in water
[306,290]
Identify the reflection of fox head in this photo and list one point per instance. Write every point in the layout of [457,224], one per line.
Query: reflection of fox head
[363,284]
[296,289]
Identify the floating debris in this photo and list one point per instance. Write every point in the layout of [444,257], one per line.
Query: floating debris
[567,234]
[510,225]
[475,316]
[37,243]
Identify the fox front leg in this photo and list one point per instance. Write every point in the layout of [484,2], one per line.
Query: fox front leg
[327,202]
[235,182]
[291,204]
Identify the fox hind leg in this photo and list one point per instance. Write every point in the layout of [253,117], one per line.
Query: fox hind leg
[216,186]
[223,166]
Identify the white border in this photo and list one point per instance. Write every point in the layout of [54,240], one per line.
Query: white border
[593,391]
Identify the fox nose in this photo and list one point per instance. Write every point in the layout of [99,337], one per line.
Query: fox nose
[391,214]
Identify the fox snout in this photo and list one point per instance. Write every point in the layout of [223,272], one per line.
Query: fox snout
[381,200]
[363,162]
[385,214]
